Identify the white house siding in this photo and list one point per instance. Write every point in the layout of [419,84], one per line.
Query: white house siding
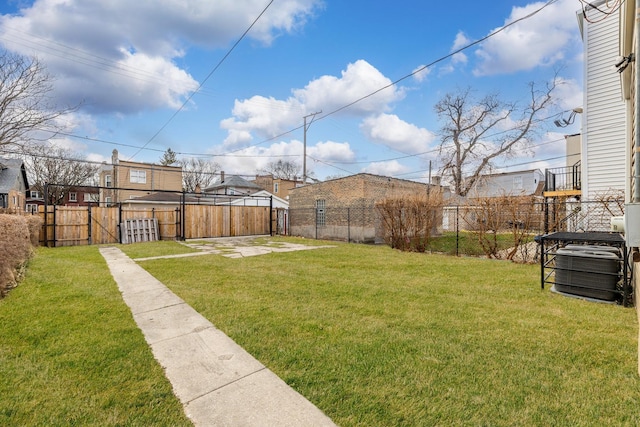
[604,123]
[507,184]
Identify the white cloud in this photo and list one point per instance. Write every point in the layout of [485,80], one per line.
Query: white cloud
[541,40]
[389,168]
[359,80]
[421,72]
[331,151]
[391,131]
[569,93]
[249,160]
[459,58]
[122,56]
[269,117]
[94,157]
[461,41]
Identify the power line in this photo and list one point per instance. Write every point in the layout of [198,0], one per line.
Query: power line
[82,57]
[204,81]
[417,71]
[396,82]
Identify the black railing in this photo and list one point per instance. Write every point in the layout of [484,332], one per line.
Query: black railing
[561,179]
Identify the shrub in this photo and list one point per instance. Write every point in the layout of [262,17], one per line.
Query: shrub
[516,216]
[16,239]
[34,223]
[410,222]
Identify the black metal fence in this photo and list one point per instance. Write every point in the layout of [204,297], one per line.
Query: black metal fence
[365,225]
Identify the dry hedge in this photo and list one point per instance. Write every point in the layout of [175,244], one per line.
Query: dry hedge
[18,236]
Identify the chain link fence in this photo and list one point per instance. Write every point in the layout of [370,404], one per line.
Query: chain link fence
[463,225]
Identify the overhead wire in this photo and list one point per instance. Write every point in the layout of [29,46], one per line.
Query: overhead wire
[186,101]
[606,13]
[79,56]
[415,72]
[320,117]
[326,115]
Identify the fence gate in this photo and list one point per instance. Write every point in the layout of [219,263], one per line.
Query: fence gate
[91,225]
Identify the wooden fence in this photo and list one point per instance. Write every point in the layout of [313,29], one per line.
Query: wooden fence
[90,225]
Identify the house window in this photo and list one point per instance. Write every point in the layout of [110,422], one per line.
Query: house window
[107,200]
[31,208]
[320,212]
[15,200]
[107,181]
[34,194]
[138,177]
[91,197]
[73,196]
[276,187]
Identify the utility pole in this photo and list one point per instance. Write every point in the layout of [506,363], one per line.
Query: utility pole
[304,153]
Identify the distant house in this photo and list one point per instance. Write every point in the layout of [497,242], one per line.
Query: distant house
[462,214]
[127,180]
[277,186]
[13,185]
[232,186]
[518,183]
[344,208]
[34,199]
[75,196]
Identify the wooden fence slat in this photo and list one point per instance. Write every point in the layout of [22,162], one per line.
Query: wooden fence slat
[201,221]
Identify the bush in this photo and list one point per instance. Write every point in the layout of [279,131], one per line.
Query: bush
[17,237]
[515,216]
[410,222]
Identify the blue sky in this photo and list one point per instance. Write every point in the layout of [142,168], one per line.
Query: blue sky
[134,68]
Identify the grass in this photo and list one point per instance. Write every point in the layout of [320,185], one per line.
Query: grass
[465,243]
[371,335]
[71,354]
[374,336]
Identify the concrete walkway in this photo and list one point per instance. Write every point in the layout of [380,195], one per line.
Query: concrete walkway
[218,382]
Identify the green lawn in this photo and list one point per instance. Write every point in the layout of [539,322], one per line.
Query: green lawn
[378,337]
[372,336]
[71,354]
[465,243]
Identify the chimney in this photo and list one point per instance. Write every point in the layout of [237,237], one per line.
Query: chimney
[221,177]
[114,157]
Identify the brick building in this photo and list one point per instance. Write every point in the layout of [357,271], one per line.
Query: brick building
[344,208]
[277,186]
[127,180]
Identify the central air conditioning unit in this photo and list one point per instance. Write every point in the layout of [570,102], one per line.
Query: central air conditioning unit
[588,271]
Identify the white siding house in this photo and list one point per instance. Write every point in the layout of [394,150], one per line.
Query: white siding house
[519,183]
[604,162]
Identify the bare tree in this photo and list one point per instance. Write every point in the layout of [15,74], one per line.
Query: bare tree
[48,164]
[197,172]
[283,169]
[25,104]
[477,132]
